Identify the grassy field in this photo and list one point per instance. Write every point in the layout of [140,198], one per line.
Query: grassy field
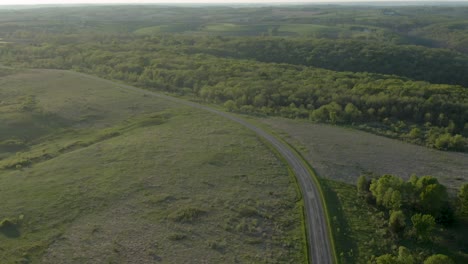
[230,29]
[171,28]
[339,155]
[361,231]
[309,30]
[343,154]
[227,29]
[115,176]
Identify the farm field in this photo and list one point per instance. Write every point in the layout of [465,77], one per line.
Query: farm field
[343,154]
[145,180]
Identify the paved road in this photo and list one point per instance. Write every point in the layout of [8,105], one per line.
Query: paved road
[320,250]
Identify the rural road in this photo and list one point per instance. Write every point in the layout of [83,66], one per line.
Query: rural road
[319,245]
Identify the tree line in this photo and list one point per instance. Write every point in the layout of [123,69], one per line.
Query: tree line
[430,114]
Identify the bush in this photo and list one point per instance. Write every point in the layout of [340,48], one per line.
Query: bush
[18,163]
[362,185]
[423,225]
[9,228]
[7,223]
[448,142]
[397,222]
[438,259]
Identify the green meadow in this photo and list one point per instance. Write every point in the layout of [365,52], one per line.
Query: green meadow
[91,171]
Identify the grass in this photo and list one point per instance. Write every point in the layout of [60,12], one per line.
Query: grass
[357,227]
[212,28]
[316,179]
[259,29]
[142,180]
[327,31]
[360,230]
[186,215]
[236,29]
[343,154]
[170,28]
[309,29]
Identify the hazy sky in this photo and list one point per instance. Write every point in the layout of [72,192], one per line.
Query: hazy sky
[33,2]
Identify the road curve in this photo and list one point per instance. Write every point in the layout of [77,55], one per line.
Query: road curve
[319,245]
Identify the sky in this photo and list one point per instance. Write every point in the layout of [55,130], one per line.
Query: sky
[35,2]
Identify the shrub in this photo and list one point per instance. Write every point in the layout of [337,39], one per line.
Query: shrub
[438,259]
[7,223]
[397,222]
[423,225]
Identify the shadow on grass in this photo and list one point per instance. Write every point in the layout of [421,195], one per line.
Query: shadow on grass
[10,230]
[345,245]
[451,242]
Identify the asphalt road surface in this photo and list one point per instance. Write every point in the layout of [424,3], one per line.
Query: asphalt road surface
[319,244]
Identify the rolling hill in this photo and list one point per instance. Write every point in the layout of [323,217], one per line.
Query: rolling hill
[120,175]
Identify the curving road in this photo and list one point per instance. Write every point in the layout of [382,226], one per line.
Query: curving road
[319,246]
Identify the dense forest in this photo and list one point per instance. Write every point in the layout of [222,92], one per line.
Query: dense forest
[373,68]
[414,62]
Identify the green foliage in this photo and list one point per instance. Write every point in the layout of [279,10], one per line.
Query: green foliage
[368,227]
[125,187]
[447,141]
[438,259]
[16,163]
[331,112]
[404,257]
[214,69]
[7,223]
[431,197]
[386,191]
[397,222]
[9,228]
[362,185]
[352,113]
[11,145]
[386,259]
[423,225]
[230,106]
[463,200]
[415,133]
[227,71]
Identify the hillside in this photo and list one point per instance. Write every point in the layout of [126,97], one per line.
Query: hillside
[142,179]
[117,143]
